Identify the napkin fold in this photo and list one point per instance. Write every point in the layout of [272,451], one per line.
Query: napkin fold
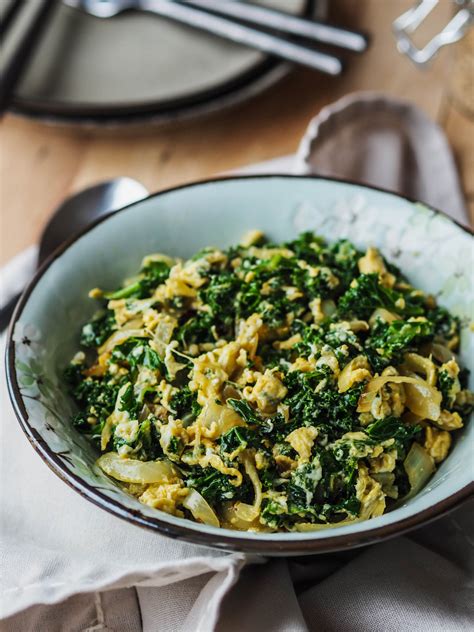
[68,565]
[374,139]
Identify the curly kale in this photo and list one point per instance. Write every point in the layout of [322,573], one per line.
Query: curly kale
[237,438]
[322,490]
[445,385]
[149,438]
[185,405]
[303,483]
[389,341]
[326,408]
[135,352]
[245,410]
[96,399]
[217,487]
[393,427]
[151,276]
[219,294]
[445,325]
[366,294]
[128,403]
[196,329]
[95,332]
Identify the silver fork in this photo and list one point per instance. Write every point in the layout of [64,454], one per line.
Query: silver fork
[226,28]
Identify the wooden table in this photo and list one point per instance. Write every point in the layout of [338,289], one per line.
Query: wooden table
[41,165]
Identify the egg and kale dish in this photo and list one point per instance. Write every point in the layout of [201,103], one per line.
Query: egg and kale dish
[270,387]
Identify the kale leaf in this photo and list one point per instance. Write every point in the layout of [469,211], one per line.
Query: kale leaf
[128,403]
[151,276]
[185,405]
[389,341]
[392,427]
[366,294]
[237,437]
[196,329]
[327,408]
[96,332]
[445,385]
[445,325]
[245,410]
[215,486]
[135,352]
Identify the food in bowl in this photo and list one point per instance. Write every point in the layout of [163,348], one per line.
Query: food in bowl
[270,387]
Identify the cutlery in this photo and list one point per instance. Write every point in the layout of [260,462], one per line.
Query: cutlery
[226,28]
[76,213]
[286,23]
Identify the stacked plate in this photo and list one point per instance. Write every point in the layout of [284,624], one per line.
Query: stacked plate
[136,66]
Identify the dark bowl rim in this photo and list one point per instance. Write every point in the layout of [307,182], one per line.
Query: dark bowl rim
[183,532]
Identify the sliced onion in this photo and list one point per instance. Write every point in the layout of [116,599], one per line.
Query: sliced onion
[231,519]
[421,398]
[419,466]
[309,526]
[119,337]
[97,370]
[106,433]
[439,352]
[163,334]
[135,471]
[243,511]
[200,508]
[384,315]
[219,419]
[418,364]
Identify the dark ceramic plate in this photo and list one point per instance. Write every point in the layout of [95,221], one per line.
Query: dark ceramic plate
[137,66]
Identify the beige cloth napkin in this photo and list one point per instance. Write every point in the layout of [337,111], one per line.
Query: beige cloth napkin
[385,142]
[92,572]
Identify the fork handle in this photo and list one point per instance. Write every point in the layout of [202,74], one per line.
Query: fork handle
[286,23]
[324,62]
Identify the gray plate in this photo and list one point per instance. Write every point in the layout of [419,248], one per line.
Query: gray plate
[136,65]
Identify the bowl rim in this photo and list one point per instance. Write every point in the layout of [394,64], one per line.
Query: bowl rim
[221,539]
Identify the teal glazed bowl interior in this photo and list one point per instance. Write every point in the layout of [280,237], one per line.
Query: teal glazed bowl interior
[434,252]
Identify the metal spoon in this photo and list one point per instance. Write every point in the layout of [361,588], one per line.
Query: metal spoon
[75,214]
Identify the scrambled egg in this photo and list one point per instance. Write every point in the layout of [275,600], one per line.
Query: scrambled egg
[370,494]
[302,440]
[437,443]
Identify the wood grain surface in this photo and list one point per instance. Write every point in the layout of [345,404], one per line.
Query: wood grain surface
[41,164]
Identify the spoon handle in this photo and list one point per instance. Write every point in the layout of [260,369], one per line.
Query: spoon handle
[185,13]
[6,312]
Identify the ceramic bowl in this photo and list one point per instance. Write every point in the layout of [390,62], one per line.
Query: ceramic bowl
[430,248]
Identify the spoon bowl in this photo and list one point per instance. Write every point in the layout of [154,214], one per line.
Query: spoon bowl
[82,209]
[74,215]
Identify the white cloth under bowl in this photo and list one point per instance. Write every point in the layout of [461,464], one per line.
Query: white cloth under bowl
[94,572]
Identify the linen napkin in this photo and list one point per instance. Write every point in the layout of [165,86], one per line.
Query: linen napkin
[68,565]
